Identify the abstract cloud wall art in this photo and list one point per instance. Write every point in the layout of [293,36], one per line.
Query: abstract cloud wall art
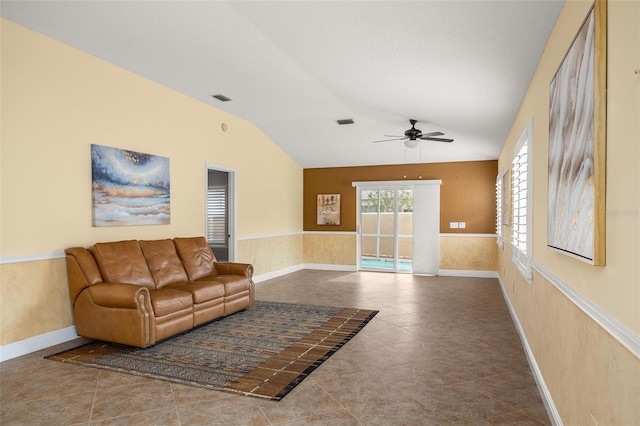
[129,188]
[574,161]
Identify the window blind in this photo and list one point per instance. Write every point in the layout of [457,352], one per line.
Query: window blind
[499,209]
[519,200]
[217,215]
[520,204]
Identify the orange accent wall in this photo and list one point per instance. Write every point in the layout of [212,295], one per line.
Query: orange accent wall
[467,193]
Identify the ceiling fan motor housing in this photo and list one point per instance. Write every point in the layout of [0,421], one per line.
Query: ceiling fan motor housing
[413,133]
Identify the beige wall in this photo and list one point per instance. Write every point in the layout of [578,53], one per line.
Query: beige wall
[35,299]
[457,252]
[592,378]
[56,102]
[268,254]
[469,252]
[329,248]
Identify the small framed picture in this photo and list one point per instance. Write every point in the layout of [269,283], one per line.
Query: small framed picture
[328,209]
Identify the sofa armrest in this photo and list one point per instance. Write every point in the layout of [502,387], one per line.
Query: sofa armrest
[232,268]
[115,312]
[118,295]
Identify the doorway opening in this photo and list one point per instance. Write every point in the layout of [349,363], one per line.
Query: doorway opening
[220,212]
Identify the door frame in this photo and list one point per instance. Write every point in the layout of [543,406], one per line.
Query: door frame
[386,185]
[231,202]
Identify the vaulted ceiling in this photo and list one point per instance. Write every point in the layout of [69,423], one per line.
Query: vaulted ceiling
[293,68]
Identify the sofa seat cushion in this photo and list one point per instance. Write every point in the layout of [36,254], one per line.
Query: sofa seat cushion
[201,291]
[234,284]
[163,262]
[168,300]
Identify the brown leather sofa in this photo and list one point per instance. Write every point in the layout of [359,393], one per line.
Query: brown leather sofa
[140,292]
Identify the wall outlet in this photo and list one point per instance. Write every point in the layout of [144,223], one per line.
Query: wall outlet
[453,225]
[462,225]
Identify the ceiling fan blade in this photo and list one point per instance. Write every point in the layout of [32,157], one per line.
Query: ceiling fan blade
[432,134]
[389,140]
[394,136]
[436,139]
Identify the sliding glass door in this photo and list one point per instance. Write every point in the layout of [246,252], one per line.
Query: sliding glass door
[385,229]
[399,226]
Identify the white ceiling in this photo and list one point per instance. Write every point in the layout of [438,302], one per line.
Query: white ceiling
[295,67]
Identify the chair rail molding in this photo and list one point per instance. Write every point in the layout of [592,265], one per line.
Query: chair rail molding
[31,258]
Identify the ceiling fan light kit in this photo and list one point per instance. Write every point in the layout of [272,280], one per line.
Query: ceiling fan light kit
[411,143]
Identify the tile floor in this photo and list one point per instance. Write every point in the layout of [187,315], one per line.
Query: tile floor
[442,350]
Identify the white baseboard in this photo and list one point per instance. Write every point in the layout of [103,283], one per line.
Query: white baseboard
[552,411]
[442,272]
[36,343]
[330,267]
[353,268]
[275,274]
[468,273]
[317,266]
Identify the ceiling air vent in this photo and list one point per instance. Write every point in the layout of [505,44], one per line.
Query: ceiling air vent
[221,98]
[346,121]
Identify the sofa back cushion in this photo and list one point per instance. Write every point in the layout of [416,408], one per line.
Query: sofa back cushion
[82,271]
[196,256]
[122,262]
[87,264]
[163,262]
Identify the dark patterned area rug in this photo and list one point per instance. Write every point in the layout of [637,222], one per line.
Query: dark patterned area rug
[264,351]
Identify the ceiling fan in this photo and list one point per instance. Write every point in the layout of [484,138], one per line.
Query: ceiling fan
[413,136]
